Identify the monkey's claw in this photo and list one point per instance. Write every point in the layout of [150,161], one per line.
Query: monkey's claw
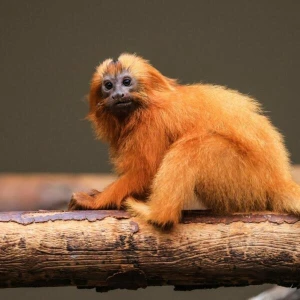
[76,202]
[82,201]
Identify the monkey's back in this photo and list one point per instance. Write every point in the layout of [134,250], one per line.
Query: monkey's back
[238,118]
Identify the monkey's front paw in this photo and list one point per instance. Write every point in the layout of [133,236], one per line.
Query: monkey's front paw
[83,201]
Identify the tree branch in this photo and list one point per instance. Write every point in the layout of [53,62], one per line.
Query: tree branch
[46,191]
[110,249]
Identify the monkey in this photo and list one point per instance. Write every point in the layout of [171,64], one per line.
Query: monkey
[171,143]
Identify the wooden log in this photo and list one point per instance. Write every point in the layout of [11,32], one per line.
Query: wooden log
[110,249]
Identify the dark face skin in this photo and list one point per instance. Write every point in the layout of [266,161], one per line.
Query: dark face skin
[118,93]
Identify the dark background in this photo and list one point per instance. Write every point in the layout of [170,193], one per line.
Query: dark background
[49,49]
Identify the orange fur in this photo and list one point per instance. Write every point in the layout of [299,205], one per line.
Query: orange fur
[188,141]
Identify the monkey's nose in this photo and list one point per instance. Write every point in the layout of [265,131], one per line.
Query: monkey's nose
[117,96]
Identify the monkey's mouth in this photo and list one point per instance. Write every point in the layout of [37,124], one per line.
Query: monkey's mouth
[124,103]
[122,107]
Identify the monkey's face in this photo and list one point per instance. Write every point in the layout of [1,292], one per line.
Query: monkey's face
[124,86]
[118,93]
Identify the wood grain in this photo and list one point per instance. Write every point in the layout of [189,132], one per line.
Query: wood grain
[110,249]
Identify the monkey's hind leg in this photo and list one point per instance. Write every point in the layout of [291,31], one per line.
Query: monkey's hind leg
[227,179]
[173,185]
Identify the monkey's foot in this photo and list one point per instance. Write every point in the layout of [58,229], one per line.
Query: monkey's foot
[143,210]
[83,201]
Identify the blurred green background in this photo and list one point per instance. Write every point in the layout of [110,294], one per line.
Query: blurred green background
[48,52]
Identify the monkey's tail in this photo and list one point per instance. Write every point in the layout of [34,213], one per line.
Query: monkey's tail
[137,208]
[289,199]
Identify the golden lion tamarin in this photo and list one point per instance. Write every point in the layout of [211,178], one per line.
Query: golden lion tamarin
[171,143]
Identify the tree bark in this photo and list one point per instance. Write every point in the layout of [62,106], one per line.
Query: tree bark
[110,249]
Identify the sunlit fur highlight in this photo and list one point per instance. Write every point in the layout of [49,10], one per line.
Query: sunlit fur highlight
[188,141]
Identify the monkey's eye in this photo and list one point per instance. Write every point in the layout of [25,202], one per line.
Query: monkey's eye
[108,85]
[126,81]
